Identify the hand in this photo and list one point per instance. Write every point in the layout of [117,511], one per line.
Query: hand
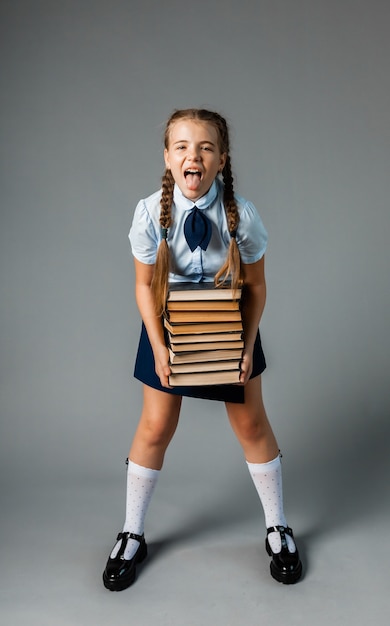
[161,361]
[246,367]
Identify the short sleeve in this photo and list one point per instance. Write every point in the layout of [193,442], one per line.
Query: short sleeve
[143,236]
[252,236]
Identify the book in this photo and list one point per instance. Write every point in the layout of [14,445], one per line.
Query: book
[203,305]
[205,356]
[212,366]
[232,336]
[203,316]
[202,327]
[224,377]
[201,291]
[178,348]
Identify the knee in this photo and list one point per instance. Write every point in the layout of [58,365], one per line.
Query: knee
[157,433]
[248,429]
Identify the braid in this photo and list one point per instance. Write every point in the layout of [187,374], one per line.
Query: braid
[228,198]
[159,283]
[231,269]
[167,185]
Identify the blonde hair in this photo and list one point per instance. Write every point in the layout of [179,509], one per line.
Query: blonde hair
[231,268]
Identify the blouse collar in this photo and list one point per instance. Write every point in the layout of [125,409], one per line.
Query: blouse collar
[202,203]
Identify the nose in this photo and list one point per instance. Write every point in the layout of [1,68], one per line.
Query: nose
[194,153]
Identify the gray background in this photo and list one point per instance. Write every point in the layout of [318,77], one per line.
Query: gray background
[86,87]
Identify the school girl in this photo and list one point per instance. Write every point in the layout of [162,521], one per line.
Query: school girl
[197,229]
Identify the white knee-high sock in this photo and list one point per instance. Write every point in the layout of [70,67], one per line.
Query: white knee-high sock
[267,478]
[141,482]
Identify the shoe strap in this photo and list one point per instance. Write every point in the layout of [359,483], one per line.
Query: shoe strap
[124,537]
[283,531]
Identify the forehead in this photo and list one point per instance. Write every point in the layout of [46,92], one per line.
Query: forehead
[193,130]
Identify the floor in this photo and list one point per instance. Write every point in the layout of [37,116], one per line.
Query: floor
[207,564]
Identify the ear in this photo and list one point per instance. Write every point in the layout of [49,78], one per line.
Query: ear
[166,159]
[222,161]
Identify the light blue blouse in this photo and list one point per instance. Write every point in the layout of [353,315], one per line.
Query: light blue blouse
[197,266]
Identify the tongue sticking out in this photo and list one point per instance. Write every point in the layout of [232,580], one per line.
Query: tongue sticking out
[192,181]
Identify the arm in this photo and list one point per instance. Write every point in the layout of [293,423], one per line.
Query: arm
[145,303]
[252,309]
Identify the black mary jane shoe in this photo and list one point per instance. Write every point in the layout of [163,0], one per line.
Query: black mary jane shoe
[286,566]
[120,572]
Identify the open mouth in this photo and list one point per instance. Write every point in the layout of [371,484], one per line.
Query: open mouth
[193,178]
[193,173]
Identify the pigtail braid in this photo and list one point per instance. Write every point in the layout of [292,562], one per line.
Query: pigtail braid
[231,269]
[159,283]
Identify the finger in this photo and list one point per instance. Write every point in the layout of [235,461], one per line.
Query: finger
[243,374]
[243,378]
[164,378]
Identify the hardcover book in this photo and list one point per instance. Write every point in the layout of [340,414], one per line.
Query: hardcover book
[205,378]
[201,291]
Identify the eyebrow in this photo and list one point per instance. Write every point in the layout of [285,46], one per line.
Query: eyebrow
[211,143]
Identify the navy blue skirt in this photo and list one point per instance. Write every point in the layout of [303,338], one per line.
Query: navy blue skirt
[144,371]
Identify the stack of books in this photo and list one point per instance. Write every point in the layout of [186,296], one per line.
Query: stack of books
[205,334]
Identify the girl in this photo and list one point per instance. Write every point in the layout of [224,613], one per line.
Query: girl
[196,229]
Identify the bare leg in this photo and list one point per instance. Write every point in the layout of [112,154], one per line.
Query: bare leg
[251,426]
[157,425]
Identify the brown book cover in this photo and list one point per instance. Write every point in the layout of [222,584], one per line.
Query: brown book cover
[201,291]
[205,356]
[226,377]
[210,337]
[205,345]
[208,366]
[183,317]
[202,327]
[203,305]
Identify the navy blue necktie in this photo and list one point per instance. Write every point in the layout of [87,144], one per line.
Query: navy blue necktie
[197,229]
